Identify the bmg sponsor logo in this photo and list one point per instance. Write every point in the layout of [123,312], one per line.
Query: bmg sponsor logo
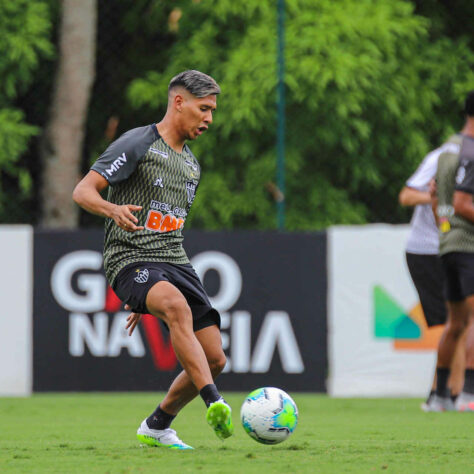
[97,321]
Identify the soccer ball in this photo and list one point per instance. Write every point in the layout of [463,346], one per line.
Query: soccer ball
[269,415]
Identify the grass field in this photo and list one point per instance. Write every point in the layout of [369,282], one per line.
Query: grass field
[96,433]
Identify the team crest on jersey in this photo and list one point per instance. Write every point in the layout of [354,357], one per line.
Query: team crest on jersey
[142,276]
[191,190]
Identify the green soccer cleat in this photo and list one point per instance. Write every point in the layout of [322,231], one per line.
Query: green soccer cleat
[219,416]
[160,438]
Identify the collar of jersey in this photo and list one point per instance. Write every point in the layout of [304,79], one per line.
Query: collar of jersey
[186,151]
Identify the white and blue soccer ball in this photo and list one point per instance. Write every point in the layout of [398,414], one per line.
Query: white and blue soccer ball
[269,415]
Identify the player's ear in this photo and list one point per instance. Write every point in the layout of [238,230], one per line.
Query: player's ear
[178,102]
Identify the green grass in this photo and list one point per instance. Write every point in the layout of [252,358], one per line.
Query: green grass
[88,433]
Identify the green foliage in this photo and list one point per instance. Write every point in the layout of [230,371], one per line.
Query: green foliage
[24,40]
[14,135]
[24,28]
[369,92]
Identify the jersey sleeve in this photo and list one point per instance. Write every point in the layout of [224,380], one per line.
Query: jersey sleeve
[122,156]
[425,172]
[465,176]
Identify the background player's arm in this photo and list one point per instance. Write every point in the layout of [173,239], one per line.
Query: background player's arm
[87,195]
[411,197]
[464,190]
[433,192]
[463,205]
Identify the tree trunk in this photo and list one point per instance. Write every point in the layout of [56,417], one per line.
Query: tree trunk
[61,147]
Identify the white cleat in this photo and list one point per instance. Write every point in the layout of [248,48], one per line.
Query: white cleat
[166,438]
[465,402]
[425,406]
[438,404]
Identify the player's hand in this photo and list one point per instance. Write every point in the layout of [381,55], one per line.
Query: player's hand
[432,188]
[132,320]
[123,217]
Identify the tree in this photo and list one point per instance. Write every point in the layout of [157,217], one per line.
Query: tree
[371,86]
[368,94]
[25,28]
[62,142]
[117,64]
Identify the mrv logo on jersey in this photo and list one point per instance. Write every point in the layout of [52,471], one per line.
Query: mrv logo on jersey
[117,164]
[96,323]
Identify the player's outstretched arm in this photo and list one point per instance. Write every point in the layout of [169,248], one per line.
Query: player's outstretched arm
[87,195]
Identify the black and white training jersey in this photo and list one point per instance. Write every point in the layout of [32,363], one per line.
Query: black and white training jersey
[455,173]
[423,237]
[142,169]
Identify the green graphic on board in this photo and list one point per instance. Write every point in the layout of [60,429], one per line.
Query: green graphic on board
[391,321]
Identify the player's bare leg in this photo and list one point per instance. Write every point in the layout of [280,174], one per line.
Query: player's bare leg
[456,374]
[166,302]
[465,401]
[182,390]
[470,342]
[458,314]
[458,365]
[456,325]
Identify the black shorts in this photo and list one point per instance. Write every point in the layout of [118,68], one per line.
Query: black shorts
[135,280]
[459,275]
[427,274]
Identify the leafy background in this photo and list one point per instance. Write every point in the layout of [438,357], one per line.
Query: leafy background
[371,87]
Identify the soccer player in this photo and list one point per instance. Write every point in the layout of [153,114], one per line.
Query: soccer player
[455,213]
[422,258]
[153,177]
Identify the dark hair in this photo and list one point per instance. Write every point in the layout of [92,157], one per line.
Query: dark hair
[469,104]
[196,82]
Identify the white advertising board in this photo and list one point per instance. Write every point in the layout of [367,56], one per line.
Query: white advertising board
[378,342]
[16,273]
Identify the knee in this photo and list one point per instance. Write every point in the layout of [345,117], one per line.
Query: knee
[217,364]
[177,312]
[457,327]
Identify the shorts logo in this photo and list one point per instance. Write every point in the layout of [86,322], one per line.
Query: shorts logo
[142,276]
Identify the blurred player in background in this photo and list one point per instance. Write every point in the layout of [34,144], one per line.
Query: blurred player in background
[153,177]
[455,215]
[422,256]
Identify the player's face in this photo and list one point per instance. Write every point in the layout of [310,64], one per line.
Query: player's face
[196,115]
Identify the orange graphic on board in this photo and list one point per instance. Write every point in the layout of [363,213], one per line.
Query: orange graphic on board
[429,339]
